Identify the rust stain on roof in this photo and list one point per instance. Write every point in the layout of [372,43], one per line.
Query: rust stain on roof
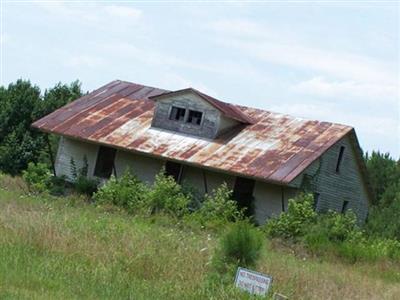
[269,146]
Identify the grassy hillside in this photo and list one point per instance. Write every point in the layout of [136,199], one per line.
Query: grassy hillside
[65,248]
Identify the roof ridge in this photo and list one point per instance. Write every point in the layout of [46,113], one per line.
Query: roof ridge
[238,106]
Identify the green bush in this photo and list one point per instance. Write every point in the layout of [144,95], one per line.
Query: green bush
[219,207]
[336,227]
[385,221]
[58,185]
[330,230]
[369,250]
[330,233]
[339,234]
[240,246]
[37,176]
[166,196]
[195,196]
[85,185]
[295,221]
[127,192]
[383,171]
[81,182]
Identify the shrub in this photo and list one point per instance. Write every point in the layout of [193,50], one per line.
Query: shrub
[336,233]
[339,234]
[37,176]
[383,172]
[58,185]
[331,229]
[81,182]
[294,222]
[385,222]
[219,207]
[240,246]
[127,192]
[167,196]
[86,186]
[369,250]
[342,227]
[195,196]
[338,227]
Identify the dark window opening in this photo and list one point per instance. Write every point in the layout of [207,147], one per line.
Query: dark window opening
[243,194]
[316,199]
[194,117]
[345,206]
[173,169]
[105,162]
[177,113]
[340,158]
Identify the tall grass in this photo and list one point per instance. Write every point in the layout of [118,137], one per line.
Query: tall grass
[65,248]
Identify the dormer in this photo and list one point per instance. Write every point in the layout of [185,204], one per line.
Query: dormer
[191,112]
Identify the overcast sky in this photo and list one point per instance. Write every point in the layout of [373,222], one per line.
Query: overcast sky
[333,61]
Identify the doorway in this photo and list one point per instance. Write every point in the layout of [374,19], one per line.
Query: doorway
[173,169]
[243,194]
[105,162]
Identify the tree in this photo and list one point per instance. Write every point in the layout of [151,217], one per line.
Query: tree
[20,105]
[384,172]
[58,96]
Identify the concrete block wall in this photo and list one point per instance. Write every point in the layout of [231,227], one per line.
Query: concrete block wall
[69,148]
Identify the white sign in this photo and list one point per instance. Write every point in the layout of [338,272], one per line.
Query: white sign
[252,282]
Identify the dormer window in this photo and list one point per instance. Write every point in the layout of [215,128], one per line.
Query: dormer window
[177,113]
[191,112]
[194,117]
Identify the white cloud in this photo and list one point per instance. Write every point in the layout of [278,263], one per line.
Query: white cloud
[319,86]
[59,9]
[242,28]
[122,11]
[92,13]
[86,61]
[282,48]
[4,38]
[340,65]
[167,60]
[175,81]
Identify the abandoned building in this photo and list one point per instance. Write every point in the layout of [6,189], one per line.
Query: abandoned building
[264,157]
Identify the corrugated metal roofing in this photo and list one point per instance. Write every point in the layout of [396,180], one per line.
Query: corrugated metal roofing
[275,147]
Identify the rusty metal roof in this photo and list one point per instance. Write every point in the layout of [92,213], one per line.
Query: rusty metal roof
[274,148]
[227,109]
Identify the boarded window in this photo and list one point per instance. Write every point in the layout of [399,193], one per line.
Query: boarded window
[316,199]
[177,113]
[104,162]
[194,117]
[345,206]
[173,169]
[340,158]
[243,194]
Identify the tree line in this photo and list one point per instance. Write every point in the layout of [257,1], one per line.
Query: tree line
[22,103]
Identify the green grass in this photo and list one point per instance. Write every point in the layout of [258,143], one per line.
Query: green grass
[65,248]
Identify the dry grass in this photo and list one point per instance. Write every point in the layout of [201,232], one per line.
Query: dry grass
[68,249]
[313,279]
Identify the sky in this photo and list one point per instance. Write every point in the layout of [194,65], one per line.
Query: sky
[335,61]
